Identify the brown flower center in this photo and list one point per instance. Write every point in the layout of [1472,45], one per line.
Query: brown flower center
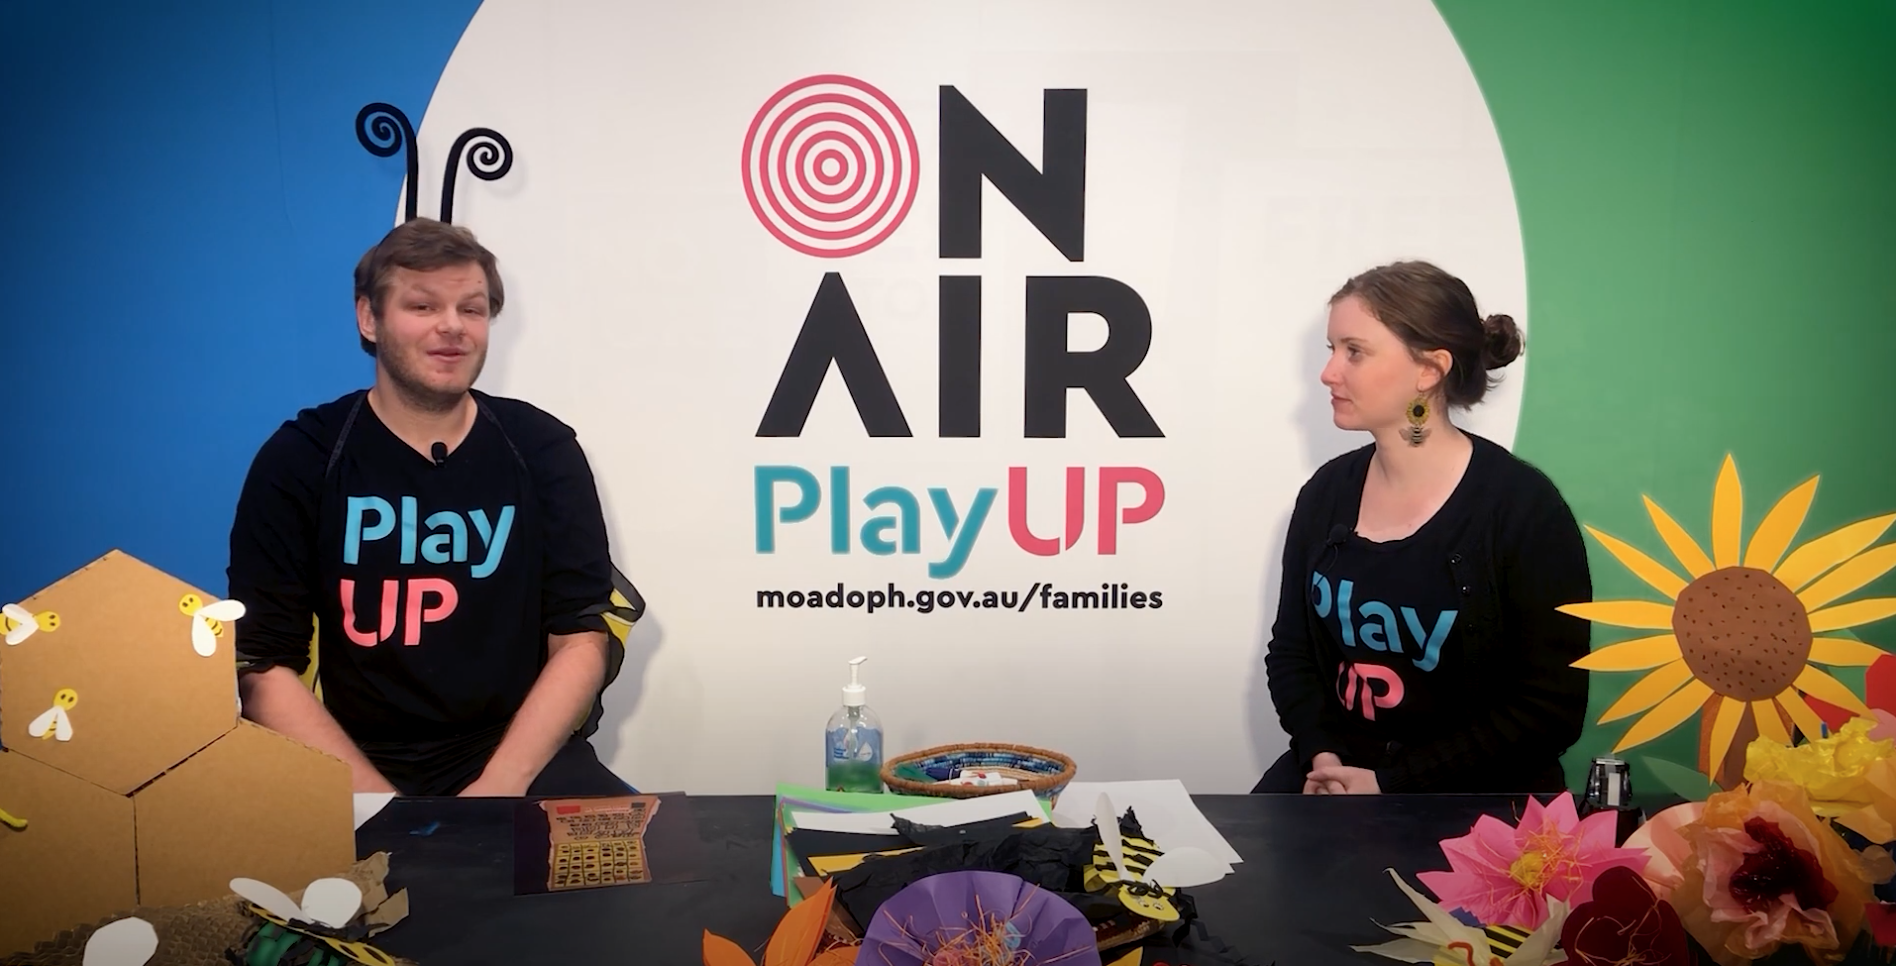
[1742,632]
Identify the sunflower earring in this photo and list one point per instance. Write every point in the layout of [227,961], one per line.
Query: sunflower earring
[1418,429]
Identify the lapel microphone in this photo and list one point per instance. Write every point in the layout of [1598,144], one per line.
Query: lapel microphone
[440,453]
[1339,535]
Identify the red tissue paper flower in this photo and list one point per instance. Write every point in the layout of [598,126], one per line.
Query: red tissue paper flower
[1625,922]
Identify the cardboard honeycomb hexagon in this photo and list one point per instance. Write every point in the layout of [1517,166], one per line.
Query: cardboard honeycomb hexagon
[240,789]
[72,860]
[125,755]
[144,699]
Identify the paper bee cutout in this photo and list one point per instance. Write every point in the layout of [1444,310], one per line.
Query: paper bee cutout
[329,902]
[207,620]
[55,722]
[21,625]
[1149,891]
[326,918]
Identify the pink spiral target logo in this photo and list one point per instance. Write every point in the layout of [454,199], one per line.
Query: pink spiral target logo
[830,166]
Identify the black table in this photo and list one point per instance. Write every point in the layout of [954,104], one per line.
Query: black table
[1312,882]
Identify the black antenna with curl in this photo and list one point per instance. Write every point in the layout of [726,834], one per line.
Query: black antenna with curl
[384,130]
[490,160]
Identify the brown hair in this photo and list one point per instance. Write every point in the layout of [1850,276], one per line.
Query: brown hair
[1429,309]
[423,245]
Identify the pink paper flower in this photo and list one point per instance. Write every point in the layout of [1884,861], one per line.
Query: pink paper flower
[1504,875]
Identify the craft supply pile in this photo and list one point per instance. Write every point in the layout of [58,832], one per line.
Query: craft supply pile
[1008,878]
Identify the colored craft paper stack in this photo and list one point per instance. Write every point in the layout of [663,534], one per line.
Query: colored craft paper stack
[786,865]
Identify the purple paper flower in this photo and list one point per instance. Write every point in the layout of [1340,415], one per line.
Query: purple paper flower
[976,918]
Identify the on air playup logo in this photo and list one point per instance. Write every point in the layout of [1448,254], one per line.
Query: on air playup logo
[830,167]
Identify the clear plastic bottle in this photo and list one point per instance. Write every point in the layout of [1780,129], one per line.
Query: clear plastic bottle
[853,741]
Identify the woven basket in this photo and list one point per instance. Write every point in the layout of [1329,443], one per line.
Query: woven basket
[1045,773]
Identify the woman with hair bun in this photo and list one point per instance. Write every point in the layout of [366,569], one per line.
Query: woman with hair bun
[1417,645]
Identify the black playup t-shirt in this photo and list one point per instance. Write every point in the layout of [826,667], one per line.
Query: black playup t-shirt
[433,587]
[1390,617]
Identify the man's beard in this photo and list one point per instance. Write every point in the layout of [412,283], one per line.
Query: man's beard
[407,383]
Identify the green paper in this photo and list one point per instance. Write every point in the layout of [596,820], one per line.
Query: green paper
[1685,782]
[854,801]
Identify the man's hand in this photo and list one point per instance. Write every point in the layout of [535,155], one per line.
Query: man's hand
[488,786]
[1351,781]
[1312,786]
[575,669]
[277,699]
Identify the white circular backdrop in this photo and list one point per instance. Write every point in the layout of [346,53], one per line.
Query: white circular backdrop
[1243,159]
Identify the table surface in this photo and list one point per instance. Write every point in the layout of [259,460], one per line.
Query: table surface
[1312,882]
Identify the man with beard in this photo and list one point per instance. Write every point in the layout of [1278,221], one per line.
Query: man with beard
[448,544]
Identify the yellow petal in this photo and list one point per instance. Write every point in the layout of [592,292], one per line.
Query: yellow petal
[1851,576]
[1645,568]
[1678,541]
[1728,515]
[1769,724]
[1632,655]
[1819,684]
[1856,612]
[1809,561]
[1644,614]
[1774,535]
[1130,959]
[1840,652]
[1667,716]
[1648,691]
[1724,726]
[1807,720]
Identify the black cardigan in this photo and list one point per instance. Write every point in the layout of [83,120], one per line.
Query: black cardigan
[1518,556]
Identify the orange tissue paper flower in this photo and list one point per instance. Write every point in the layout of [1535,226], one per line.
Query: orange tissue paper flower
[1764,871]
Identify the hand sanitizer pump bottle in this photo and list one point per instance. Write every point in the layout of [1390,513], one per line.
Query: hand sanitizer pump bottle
[853,741]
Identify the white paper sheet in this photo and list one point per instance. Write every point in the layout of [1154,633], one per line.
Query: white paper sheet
[950,812]
[369,803]
[861,823]
[1164,808]
[964,810]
